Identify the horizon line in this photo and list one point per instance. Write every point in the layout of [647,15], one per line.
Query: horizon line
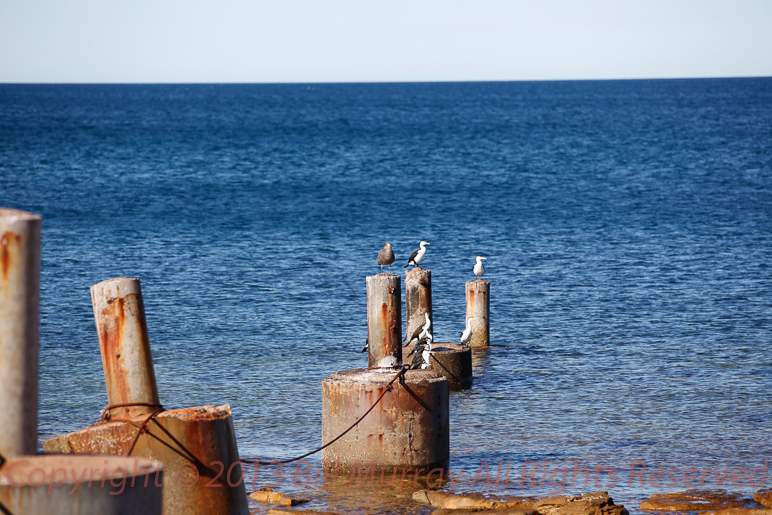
[473,81]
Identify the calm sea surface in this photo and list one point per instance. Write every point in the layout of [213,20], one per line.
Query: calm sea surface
[627,225]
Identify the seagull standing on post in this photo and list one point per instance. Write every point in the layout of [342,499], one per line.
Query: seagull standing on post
[418,255]
[479,269]
[466,335]
[386,256]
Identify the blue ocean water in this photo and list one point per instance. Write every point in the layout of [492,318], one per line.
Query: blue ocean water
[627,225]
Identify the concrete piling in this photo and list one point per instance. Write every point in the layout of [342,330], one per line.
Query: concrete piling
[197,447]
[80,485]
[408,429]
[19,331]
[384,318]
[196,444]
[125,346]
[418,298]
[395,418]
[452,361]
[478,304]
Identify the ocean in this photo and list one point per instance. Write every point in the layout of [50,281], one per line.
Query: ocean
[627,226]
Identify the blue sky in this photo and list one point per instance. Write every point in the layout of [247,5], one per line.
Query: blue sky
[375,41]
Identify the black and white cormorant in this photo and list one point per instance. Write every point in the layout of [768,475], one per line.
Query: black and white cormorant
[418,352]
[418,255]
[419,332]
[427,352]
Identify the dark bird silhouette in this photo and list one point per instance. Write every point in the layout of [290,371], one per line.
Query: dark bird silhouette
[419,331]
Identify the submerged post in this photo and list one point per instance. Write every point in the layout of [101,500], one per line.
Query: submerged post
[478,304]
[384,318]
[19,331]
[418,298]
[125,346]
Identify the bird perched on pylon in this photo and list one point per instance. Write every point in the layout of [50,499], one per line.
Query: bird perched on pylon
[386,256]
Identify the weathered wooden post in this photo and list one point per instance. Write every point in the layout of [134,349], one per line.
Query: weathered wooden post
[384,318]
[123,340]
[80,485]
[418,298]
[478,304]
[19,331]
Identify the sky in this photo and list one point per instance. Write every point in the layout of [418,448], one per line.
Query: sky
[255,41]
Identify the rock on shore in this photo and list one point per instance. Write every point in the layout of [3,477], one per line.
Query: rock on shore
[596,503]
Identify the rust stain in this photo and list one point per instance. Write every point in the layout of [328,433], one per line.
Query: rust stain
[8,238]
[112,321]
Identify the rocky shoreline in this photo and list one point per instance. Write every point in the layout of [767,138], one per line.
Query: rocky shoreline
[701,502]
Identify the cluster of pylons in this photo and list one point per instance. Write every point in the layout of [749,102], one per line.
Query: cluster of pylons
[408,428]
[139,457]
[142,458]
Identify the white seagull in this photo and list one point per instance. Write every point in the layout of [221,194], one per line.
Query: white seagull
[418,255]
[466,335]
[479,269]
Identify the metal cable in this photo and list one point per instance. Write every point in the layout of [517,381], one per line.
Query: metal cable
[387,389]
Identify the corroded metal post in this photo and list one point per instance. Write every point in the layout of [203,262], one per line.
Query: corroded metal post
[418,298]
[478,304]
[125,346]
[19,331]
[384,318]
[81,485]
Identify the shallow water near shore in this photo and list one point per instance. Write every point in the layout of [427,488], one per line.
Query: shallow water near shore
[627,225]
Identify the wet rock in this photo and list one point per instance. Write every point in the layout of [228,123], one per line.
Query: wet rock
[694,500]
[596,503]
[268,496]
[482,511]
[439,499]
[764,498]
[738,511]
[282,511]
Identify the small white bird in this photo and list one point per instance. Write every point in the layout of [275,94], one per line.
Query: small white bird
[466,335]
[418,255]
[427,353]
[479,269]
